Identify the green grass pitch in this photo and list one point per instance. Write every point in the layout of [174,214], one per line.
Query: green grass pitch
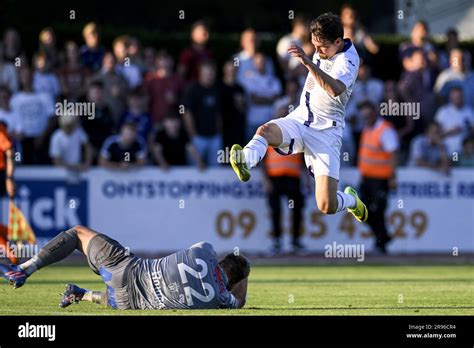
[285,290]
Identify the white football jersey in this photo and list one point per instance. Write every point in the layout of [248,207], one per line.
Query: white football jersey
[318,109]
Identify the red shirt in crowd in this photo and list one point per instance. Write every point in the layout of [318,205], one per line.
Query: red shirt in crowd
[192,58]
[164,93]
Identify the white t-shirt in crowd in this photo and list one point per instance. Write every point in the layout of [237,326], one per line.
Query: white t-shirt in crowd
[450,117]
[282,50]
[68,146]
[33,111]
[46,83]
[263,86]
[372,90]
[131,73]
[12,121]
[9,77]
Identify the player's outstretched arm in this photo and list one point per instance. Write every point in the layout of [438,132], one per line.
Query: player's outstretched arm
[332,86]
[240,292]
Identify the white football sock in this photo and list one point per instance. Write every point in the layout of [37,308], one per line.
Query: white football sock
[255,150]
[29,266]
[344,201]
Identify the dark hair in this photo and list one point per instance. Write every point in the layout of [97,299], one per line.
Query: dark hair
[366,104]
[129,124]
[293,80]
[236,267]
[207,63]
[410,51]
[456,87]
[121,39]
[163,54]
[327,27]
[348,6]
[5,88]
[96,84]
[299,19]
[452,31]
[423,23]
[467,139]
[433,124]
[200,23]
[136,93]
[172,115]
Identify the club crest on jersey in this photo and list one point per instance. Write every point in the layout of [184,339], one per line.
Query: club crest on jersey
[327,66]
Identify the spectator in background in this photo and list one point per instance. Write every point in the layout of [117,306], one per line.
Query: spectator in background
[73,76]
[428,150]
[365,88]
[163,87]
[69,146]
[115,87]
[466,157]
[262,89]
[12,51]
[300,72]
[414,87]
[203,114]
[282,179]
[136,114]
[299,35]
[245,58]
[7,164]
[377,161]
[47,45]
[124,151]
[456,120]
[419,38]
[170,145]
[403,125]
[135,53]
[8,75]
[124,66]
[149,59]
[452,42]
[35,112]
[44,80]
[354,31]
[468,86]
[289,101]
[101,125]
[9,118]
[454,75]
[192,57]
[233,107]
[91,52]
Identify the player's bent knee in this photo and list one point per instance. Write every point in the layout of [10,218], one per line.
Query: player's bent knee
[326,207]
[271,132]
[263,130]
[83,232]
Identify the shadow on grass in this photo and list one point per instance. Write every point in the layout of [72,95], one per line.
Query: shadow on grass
[308,281]
[354,308]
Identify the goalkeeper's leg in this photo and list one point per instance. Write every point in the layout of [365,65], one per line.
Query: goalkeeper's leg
[74,294]
[55,250]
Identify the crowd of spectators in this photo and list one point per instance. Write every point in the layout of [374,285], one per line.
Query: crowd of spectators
[150,107]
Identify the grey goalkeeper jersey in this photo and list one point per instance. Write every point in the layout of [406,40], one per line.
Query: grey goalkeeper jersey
[187,279]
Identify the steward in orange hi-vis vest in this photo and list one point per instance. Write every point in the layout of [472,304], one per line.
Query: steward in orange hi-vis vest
[279,165]
[374,161]
[282,179]
[377,154]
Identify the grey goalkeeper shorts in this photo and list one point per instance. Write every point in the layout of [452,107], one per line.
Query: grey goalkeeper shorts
[113,262]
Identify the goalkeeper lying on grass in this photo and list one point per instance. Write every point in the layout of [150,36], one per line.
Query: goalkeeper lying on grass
[188,279]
